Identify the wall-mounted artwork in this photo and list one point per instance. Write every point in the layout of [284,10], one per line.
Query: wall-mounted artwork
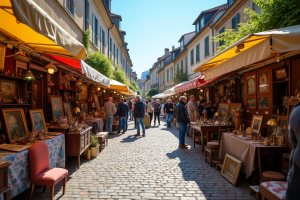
[251,84]
[57,107]
[8,90]
[84,92]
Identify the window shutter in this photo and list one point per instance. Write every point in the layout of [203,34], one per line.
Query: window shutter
[87,14]
[94,29]
[96,32]
[206,45]
[237,20]
[233,23]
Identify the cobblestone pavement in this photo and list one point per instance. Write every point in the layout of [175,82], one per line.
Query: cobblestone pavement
[150,167]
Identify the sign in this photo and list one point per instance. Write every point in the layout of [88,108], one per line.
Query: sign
[21,65]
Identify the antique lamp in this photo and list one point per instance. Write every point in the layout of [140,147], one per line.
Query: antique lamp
[29,76]
[273,123]
[20,56]
[238,115]
[217,115]
[51,68]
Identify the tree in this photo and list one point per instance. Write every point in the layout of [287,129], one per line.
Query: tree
[100,62]
[151,93]
[135,88]
[119,75]
[274,14]
[86,39]
[179,77]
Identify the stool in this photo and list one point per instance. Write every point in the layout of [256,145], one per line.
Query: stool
[103,140]
[212,147]
[272,176]
[274,190]
[219,166]
[254,191]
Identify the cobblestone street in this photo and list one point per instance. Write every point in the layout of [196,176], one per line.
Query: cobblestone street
[146,168]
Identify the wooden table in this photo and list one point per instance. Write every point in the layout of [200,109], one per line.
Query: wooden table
[4,188]
[206,129]
[63,130]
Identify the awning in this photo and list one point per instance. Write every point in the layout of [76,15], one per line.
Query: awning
[190,84]
[25,22]
[159,96]
[84,68]
[257,47]
[171,91]
[116,85]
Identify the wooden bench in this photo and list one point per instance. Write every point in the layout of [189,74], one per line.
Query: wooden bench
[103,140]
[273,190]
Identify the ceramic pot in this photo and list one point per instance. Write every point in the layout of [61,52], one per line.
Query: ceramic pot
[94,151]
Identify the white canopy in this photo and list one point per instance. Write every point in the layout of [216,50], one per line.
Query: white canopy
[94,74]
[159,96]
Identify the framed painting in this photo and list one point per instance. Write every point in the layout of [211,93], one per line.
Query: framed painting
[68,108]
[221,90]
[13,147]
[250,102]
[271,129]
[281,128]
[84,107]
[37,119]
[2,56]
[57,107]
[223,109]
[231,169]
[15,123]
[97,102]
[263,82]
[8,90]
[256,123]
[251,84]
[280,73]
[231,108]
[84,92]
[263,102]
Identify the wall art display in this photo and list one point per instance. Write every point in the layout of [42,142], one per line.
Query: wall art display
[250,102]
[231,108]
[84,107]
[68,108]
[280,73]
[34,91]
[97,102]
[57,107]
[263,82]
[84,92]
[251,84]
[8,90]
[2,56]
[37,119]
[282,127]
[231,169]
[223,109]
[263,102]
[256,123]
[15,123]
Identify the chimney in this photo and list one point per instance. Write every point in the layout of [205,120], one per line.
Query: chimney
[166,52]
[173,48]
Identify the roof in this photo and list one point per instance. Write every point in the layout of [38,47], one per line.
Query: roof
[116,16]
[175,49]
[185,35]
[218,8]
[124,32]
[126,43]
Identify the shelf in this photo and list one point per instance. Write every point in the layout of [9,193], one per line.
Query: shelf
[281,81]
[280,115]
[11,77]
[67,90]
[14,104]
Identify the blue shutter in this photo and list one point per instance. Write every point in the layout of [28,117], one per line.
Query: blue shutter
[94,29]
[207,46]
[96,32]
[197,53]
[182,65]
[237,20]
[87,14]
[222,30]
[117,56]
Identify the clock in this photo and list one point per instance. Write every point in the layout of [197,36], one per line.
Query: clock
[249,131]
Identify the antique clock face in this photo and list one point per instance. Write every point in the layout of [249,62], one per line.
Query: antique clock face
[249,131]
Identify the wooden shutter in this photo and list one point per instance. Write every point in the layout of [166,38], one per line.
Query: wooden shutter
[87,14]
[94,29]
[222,30]
[96,32]
[207,46]
[237,20]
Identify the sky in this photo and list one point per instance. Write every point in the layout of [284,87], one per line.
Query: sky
[153,25]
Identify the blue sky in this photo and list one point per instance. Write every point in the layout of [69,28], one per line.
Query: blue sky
[153,25]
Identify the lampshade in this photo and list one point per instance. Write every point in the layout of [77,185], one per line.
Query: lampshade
[29,76]
[272,122]
[20,56]
[217,114]
[51,68]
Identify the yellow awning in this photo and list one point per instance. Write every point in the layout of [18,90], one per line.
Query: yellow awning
[25,22]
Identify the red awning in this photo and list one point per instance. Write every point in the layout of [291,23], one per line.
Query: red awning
[66,61]
[190,84]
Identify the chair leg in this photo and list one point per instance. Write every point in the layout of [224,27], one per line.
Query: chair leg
[51,192]
[210,156]
[64,186]
[45,187]
[30,191]
[205,155]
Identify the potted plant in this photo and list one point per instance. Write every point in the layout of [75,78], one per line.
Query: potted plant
[94,146]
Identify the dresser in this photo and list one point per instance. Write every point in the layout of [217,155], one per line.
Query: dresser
[77,143]
[4,189]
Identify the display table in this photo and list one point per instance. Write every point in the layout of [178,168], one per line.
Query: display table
[97,125]
[248,152]
[18,171]
[206,129]
[63,130]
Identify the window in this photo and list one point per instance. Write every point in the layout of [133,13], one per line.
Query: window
[206,46]
[114,53]
[103,40]
[95,31]
[186,64]
[182,65]
[177,66]
[168,79]
[230,2]
[87,14]
[192,56]
[110,47]
[201,23]
[235,22]
[181,45]
[173,56]
[198,53]
[171,73]
[197,27]
[71,7]
[117,56]
[220,32]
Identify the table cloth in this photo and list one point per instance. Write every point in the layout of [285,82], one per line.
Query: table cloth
[19,171]
[99,124]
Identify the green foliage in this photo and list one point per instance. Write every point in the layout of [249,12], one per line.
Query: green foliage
[86,39]
[100,63]
[179,76]
[135,88]
[151,93]
[94,141]
[119,75]
[274,14]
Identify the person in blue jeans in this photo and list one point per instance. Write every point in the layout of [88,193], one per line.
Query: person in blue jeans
[139,114]
[183,121]
[122,112]
[168,109]
[110,110]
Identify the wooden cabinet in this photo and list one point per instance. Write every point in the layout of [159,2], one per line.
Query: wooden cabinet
[77,143]
[4,189]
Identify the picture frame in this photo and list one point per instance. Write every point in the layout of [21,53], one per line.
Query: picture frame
[270,132]
[263,82]
[2,56]
[8,89]
[221,90]
[84,92]
[15,123]
[37,119]
[68,108]
[282,127]
[280,73]
[13,147]
[263,102]
[231,169]
[223,109]
[251,84]
[56,107]
[256,123]
[251,103]
[96,102]
[233,106]
[84,107]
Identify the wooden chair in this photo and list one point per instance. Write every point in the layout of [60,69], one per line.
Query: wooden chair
[103,140]
[40,173]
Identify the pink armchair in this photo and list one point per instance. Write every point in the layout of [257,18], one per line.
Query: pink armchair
[40,173]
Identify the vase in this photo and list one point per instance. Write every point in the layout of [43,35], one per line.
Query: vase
[94,152]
